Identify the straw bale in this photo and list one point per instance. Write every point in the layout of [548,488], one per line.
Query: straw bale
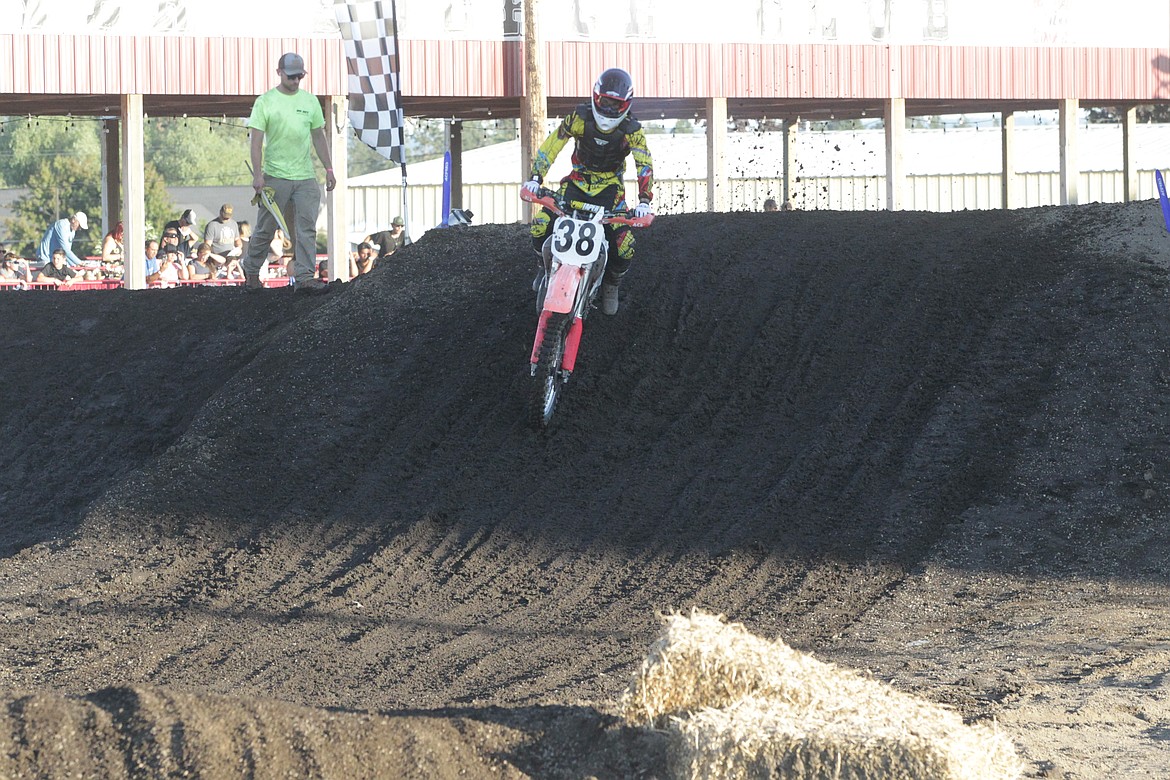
[739,706]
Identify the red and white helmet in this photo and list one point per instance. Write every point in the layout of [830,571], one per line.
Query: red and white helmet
[612,95]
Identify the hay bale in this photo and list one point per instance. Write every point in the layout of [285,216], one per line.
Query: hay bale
[744,707]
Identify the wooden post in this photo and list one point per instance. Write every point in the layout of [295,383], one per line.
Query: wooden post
[1070,172]
[336,202]
[1008,194]
[895,122]
[455,146]
[1128,167]
[533,108]
[717,190]
[133,192]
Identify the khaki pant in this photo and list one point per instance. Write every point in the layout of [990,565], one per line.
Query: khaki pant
[302,199]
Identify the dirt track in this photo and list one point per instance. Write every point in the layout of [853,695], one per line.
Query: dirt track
[316,537]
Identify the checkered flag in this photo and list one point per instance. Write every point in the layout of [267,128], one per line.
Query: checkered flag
[371,49]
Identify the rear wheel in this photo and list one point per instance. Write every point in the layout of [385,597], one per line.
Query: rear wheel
[548,382]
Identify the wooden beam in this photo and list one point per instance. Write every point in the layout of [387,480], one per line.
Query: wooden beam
[133,192]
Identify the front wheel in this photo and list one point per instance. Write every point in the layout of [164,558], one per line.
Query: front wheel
[549,380]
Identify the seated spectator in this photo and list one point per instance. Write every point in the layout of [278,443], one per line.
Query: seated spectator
[200,267]
[387,242]
[363,262]
[278,254]
[184,226]
[11,273]
[171,268]
[788,206]
[771,205]
[221,267]
[151,261]
[223,233]
[57,272]
[112,253]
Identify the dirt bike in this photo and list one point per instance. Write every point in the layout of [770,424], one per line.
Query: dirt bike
[575,253]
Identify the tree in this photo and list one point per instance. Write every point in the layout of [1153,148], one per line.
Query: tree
[198,152]
[26,142]
[1158,112]
[59,160]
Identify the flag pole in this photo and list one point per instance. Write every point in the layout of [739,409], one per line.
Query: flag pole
[398,103]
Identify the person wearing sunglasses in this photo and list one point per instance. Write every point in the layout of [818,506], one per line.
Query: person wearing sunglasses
[604,133]
[286,126]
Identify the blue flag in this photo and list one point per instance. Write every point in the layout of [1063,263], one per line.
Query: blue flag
[1162,197]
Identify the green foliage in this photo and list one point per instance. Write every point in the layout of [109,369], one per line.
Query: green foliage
[27,142]
[56,189]
[59,160]
[198,152]
[1157,112]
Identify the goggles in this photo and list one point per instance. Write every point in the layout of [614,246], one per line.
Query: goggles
[610,106]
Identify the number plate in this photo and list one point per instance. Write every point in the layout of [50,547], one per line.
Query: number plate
[577,241]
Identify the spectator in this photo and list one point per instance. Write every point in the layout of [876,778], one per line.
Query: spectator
[11,273]
[286,122]
[387,242]
[112,253]
[221,267]
[185,226]
[112,245]
[788,206]
[60,236]
[201,267]
[151,261]
[171,268]
[770,205]
[57,271]
[278,250]
[364,261]
[170,238]
[223,233]
[22,267]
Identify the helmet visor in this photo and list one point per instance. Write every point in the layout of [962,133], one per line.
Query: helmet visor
[610,106]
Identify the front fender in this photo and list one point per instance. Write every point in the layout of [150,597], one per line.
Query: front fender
[562,289]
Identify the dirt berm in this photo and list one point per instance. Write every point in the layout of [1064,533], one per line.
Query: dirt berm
[260,535]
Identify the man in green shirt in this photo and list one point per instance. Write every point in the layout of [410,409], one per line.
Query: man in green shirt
[287,124]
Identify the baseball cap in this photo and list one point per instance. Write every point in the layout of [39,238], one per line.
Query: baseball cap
[397,221]
[82,220]
[226,209]
[291,63]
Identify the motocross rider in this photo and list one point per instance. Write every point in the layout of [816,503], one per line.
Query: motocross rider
[605,133]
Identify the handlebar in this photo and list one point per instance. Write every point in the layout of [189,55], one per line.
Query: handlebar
[558,204]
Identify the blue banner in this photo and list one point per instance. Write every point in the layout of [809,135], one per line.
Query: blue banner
[446,186]
[1162,197]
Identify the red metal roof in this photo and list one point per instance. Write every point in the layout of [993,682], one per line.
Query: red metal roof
[63,64]
[207,76]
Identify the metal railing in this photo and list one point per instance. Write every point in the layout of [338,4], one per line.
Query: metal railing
[372,207]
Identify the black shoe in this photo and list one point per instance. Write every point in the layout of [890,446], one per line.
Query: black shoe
[311,287]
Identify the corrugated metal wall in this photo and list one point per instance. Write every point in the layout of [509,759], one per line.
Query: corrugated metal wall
[160,65]
[33,63]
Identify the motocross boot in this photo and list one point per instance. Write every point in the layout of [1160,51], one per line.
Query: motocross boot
[609,298]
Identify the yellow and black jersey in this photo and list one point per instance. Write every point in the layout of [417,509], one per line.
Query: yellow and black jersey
[599,159]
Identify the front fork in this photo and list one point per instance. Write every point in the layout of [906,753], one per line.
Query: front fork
[572,343]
